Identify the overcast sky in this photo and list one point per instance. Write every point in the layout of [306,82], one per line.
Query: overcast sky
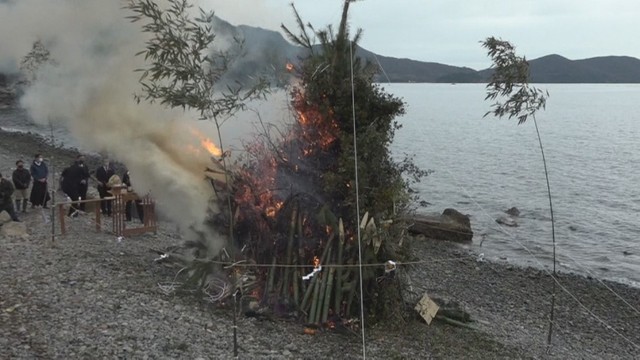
[449,31]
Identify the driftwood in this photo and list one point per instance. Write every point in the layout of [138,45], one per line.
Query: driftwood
[450,225]
[443,309]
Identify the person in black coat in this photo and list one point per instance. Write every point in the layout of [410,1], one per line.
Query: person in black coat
[103,174]
[6,204]
[126,179]
[39,192]
[80,170]
[75,183]
[21,180]
[70,188]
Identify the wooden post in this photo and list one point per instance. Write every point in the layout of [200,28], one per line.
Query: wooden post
[96,209]
[63,231]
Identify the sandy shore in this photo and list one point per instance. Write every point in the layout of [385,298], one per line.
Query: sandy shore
[91,296]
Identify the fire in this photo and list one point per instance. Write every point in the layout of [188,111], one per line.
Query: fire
[211,147]
[271,211]
[289,66]
[207,144]
[317,130]
[316,262]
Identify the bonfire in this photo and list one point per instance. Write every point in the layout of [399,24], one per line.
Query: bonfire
[311,217]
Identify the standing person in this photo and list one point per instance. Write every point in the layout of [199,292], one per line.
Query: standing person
[6,204]
[39,191]
[126,179]
[80,170]
[103,174]
[70,185]
[21,181]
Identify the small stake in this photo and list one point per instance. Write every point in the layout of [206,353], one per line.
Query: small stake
[235,324]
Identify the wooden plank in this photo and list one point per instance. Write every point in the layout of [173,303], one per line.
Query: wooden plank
[137,231]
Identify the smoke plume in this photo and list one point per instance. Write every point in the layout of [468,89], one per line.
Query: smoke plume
[89,90]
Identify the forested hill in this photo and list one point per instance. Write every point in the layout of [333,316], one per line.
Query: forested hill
[266,52]
[547,69]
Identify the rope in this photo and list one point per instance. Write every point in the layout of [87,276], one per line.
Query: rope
[501,228]
[604,284]
[355,152]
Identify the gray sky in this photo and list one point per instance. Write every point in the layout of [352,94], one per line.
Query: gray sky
[449,31]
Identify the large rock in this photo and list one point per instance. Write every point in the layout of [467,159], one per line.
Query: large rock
[451,225]
[14,230]
[4,217]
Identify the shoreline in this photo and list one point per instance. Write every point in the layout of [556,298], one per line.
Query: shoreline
[17,140]
[91,295]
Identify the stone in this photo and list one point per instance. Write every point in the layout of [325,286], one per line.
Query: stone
[4,217]
[451,225]
[514,211]
[14,230]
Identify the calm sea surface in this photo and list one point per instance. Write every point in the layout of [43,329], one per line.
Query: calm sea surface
[483,166]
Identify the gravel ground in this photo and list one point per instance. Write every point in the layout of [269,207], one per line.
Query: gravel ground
[89,295]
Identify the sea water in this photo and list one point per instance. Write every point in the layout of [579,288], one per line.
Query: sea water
[484,166]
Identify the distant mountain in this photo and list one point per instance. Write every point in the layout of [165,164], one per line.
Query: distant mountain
[270,50]
[606,69]
[266,52]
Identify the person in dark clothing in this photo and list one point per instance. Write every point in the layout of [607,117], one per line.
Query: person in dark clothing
[126,179]
[103,174]
[6,204]
[83,170]
[75,180]
[21,180]
[69,189]
[39,191]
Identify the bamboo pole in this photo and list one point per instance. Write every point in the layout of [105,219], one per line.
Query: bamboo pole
[300,254]
[296,286]
[327,296]
[272,274]
[307,293]
[314,303]
[339,273]
[323,289]
[314,280]
[289,273]
[352,293]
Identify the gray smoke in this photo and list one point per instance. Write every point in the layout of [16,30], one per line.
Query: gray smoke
[89,91]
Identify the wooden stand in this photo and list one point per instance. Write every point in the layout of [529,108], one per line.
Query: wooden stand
[120,198]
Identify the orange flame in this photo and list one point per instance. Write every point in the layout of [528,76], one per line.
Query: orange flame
[289,66]
[316,262]
[211,147]
[206,143]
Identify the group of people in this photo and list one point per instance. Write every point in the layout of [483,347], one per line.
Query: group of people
[74,183]
[17,188]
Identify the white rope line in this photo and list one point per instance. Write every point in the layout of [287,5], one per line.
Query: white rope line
[355,152]
[522,245]
[603,283]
